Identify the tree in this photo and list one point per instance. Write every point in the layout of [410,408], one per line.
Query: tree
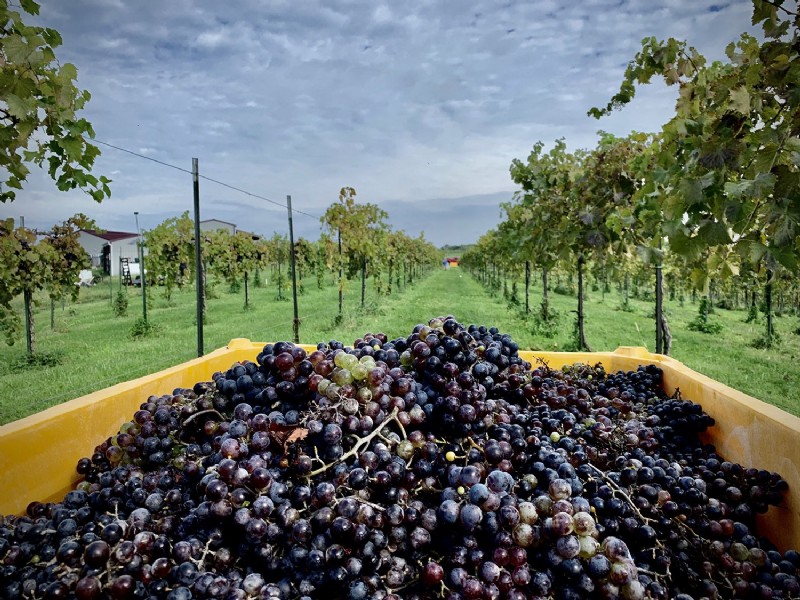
[305,259]
[537,222]
[28,264]
[397,246]
[728,171]
[170,251]
[39,103]
[277,252]
[233,256]
[561,212]
[357,228]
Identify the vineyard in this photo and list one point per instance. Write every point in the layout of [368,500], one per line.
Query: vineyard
[412,450]
[710,203]
[96,349]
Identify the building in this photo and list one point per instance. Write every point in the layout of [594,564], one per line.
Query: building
[108,247]
[215,224]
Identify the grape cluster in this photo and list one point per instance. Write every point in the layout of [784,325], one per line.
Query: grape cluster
[436,465]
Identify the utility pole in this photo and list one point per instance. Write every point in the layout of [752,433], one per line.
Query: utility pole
[141,267]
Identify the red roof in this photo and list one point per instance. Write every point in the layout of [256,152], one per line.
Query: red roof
[111,236]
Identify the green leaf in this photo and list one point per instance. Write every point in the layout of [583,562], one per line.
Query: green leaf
[738,189]
[647,254]
[753,250]
[785,256]
[699,278]
[73,147]
[20,108]
[721,263]
[29,6]
[16,49]
[683,245]
[52,37]
[786,230]
[692,191]
[68,73]
[739,100]
[714,233]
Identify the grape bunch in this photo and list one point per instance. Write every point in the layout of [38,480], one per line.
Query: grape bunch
[435,465]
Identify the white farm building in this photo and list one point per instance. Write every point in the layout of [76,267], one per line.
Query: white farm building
[108,247]
[215,224]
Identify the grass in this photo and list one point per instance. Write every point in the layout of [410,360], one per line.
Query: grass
[96,349]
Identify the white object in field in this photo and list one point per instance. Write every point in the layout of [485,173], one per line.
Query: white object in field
[136,273]
[85,278]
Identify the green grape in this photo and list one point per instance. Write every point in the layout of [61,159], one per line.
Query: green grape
[339,358]
[114,454]
[342,377]
[589,546]
[523,535]
[360,371]
[527,513]
[363,395]
[367,361]
[405,450]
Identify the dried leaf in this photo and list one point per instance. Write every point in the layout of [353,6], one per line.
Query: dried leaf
[284,435]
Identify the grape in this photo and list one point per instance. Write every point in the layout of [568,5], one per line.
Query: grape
[584,523]
[394,467]
[469,516]
[524,535]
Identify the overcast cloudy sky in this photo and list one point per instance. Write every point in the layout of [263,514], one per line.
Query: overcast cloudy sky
[420,105]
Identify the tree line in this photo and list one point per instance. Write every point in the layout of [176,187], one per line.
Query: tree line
[355,240]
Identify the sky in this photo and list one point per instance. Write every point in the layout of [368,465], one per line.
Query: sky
[419,105]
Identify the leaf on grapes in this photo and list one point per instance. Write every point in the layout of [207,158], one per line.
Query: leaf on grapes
[298,434]
[284,435]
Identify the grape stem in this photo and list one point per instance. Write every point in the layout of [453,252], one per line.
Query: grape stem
[377,507]
[404,586]
[208,411]
[627,498]
[359,445]
[622,493]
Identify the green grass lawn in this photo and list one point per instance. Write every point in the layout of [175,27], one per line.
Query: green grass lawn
[97,350]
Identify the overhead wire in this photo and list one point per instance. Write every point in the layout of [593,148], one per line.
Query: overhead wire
[218,182]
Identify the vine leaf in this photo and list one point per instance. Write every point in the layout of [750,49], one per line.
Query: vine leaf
[740,100]
[39,124]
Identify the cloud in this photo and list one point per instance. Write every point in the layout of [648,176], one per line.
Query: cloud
[411,103]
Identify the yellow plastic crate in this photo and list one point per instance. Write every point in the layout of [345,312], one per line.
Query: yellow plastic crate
[38,454]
